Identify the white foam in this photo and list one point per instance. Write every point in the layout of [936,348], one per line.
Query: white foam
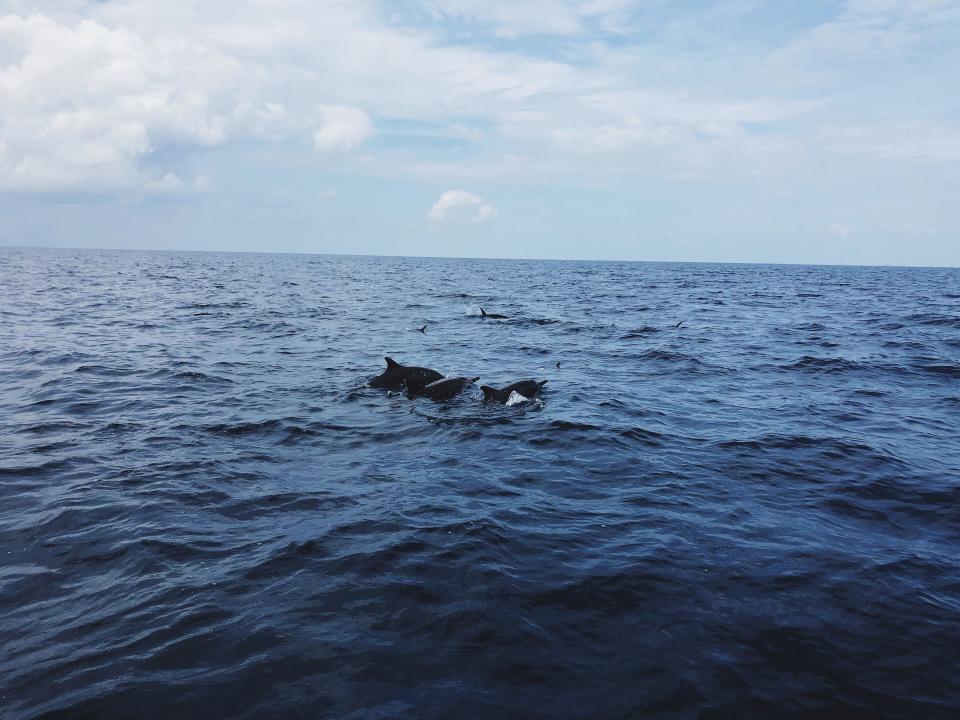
[516,398]
[475,310]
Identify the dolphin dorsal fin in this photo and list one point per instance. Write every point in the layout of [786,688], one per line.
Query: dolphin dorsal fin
[391,363]
[483,313]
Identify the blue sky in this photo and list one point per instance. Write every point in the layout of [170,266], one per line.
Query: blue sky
[818,131]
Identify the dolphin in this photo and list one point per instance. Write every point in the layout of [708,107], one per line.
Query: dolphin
[445,389]
[397,375]
[492,316]
[528,388]
[423,329]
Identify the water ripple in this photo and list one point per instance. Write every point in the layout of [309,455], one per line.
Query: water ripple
[737,496]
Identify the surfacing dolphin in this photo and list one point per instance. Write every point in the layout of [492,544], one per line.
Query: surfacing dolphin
[528,388]
[492,316]
[397,375]
[445,389]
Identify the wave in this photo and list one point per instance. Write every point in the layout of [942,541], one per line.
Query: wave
[825,364]
[640,332]
[950,371]
[280,503]
[43,428]
[934,319]
[274,426]
[537,321]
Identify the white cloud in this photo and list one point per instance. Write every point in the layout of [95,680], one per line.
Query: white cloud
[485,212]
[842,101]
[838,229]
[90,92]
[461,205]
[341,128]
[872,30]
[81,105]
[910,141]
[172,184]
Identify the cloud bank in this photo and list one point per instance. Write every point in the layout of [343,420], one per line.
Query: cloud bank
[801,113]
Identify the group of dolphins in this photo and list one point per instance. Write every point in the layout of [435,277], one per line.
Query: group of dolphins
[424,382]
[420,381]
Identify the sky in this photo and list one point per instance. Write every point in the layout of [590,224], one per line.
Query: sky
[821,131]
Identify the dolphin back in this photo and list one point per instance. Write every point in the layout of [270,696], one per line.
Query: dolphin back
[417,378]
[528,388]
[490,393]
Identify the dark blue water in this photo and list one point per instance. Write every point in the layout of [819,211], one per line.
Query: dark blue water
[204,514]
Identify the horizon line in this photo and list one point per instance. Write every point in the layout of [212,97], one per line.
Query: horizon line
[468,257]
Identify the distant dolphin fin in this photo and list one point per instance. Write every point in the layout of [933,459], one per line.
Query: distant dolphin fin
[483,313]
[391,363]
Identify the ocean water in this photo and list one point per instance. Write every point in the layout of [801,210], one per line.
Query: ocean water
[203,512]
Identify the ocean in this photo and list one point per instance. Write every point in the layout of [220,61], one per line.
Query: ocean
[204,512]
